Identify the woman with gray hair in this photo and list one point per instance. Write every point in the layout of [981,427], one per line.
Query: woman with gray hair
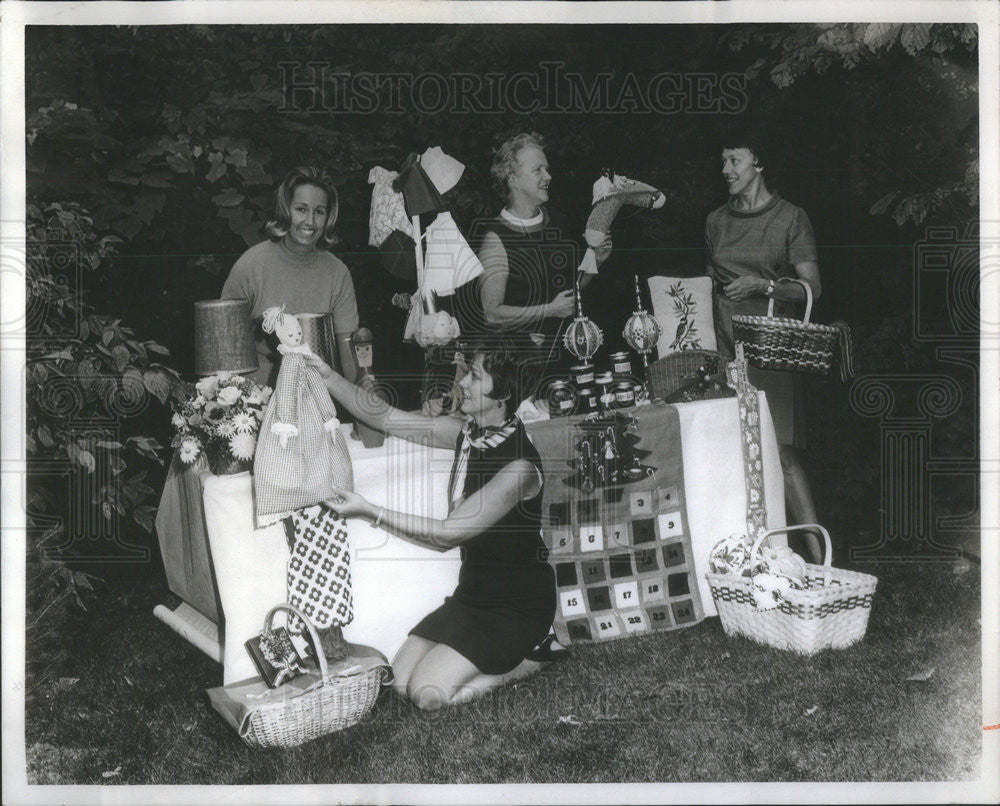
[529,256]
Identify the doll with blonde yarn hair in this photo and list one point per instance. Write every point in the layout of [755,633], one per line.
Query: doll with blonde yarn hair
[301,456]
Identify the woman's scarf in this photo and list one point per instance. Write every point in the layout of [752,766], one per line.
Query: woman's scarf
[473,436]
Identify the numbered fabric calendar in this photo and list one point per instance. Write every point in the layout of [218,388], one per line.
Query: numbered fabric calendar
[618,541]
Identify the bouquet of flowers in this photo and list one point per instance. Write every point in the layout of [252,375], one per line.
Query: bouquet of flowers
[221,419]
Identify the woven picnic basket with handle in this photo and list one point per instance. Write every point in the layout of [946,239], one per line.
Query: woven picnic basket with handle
[831,611]
[308,706]
[781,343]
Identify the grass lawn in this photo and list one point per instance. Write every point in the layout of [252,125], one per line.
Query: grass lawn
[690,705]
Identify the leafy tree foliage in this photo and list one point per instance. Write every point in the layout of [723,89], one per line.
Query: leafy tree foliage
[89,383]
[941,75]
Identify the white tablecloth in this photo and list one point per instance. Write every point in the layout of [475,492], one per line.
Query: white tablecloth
[396,583]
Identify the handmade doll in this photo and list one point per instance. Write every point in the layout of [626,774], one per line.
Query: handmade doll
[301,456]
[610,193]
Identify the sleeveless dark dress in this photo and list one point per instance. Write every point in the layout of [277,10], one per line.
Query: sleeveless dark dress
[540,263]
[506,597]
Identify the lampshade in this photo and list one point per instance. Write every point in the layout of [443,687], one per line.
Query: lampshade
[223,337]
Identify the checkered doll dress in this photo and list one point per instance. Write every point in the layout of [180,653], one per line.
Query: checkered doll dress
[301,456]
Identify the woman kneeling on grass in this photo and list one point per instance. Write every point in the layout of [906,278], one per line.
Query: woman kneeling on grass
[484,634]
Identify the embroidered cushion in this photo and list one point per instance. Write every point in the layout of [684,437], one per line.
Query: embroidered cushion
[683,307]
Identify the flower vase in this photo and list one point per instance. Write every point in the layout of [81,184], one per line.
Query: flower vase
[223,463]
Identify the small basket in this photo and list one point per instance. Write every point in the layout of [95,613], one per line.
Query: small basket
[774,342]
[688,375]
[831,612]
[332,704]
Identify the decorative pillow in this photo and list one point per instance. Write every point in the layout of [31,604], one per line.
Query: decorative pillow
[683,307]
[249,567]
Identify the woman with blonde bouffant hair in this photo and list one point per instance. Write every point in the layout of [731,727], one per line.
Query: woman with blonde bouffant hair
[293,267]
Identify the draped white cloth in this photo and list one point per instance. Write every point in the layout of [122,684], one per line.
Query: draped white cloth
[397,583]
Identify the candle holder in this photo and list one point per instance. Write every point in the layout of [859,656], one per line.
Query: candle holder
[642,332]
[583,338]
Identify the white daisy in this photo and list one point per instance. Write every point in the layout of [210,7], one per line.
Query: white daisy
[244,422]
[226,428]
[189,451]
[243,446]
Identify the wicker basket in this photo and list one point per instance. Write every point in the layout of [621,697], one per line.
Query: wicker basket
[831,612]
[774,342]
[332,704]
[688,375]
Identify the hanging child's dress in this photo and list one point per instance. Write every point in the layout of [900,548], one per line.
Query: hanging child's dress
[301,457]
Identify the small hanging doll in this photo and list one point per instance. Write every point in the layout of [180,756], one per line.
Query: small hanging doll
[301,456]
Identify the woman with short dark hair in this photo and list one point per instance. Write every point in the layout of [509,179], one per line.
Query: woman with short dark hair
[483,634]
[754,241]
[293,267]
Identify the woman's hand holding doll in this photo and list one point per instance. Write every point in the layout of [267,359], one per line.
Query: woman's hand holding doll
[325,370]
[349,504]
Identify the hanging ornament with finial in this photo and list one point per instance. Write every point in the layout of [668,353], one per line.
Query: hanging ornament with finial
[583,337]
[642,331]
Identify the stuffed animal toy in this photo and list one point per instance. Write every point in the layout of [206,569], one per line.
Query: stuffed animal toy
[427,325]
[301,456]
[610,193]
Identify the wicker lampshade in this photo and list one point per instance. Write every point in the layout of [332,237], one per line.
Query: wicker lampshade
[223,337]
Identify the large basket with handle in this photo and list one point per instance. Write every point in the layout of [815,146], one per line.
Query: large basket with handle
[308,706]
[782,343]
[830,612]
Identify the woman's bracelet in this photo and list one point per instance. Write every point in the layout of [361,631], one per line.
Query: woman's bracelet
[378,520]
[769,291]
